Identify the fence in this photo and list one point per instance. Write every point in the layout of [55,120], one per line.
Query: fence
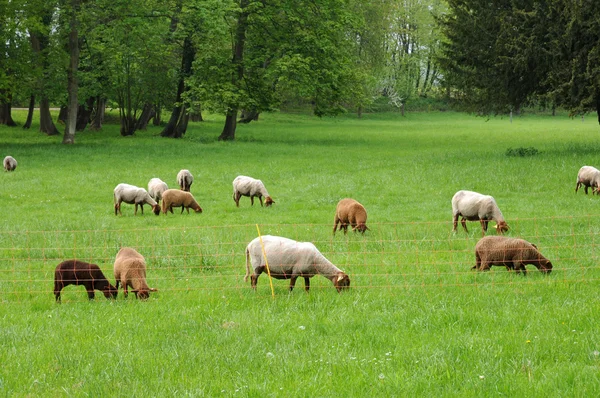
[390,256]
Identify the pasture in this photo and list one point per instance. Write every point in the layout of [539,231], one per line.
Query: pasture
[416,321]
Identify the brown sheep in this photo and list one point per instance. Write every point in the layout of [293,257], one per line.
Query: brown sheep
[130,271]
[175,198]
[75,272]
[349,211]
[513,253]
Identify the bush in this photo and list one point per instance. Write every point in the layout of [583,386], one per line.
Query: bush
[522,152]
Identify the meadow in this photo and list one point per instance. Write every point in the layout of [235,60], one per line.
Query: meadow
[417,320]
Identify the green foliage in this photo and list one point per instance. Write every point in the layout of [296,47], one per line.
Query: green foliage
[522,152]
[417,321]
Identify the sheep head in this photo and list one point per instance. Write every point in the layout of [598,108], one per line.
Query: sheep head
[156,209]
[142,294]
[198,209]
[341,281]
[544,266]
[362,227]
[269,201]
[501,227]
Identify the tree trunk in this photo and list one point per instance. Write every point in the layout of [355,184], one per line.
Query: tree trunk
[72,83]
[46,124]
[196,116]
[228,133]
[30,110]
[598,106]
[84,114]
[179,113]
[147,114]
[127,125]
[248,116]
[6,109]
[156,119]
[99,115]
[63,114]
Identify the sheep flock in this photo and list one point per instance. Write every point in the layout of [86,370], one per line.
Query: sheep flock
[291,259]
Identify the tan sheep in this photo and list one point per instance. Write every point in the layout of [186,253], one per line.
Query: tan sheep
[175,198]
[349,211]
[130,271]
[513,253]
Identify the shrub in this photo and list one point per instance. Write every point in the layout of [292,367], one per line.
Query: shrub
[522,152]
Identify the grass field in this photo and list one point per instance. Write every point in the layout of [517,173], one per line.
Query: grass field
[417,321]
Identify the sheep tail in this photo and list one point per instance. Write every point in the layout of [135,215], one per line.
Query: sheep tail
[247,265]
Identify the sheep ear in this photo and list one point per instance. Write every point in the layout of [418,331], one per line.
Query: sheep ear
[340,277]
[153,289]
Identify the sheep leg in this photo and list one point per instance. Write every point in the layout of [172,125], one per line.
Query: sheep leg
[483,226]
[577,186]
[260,198]
[253,280]
[454,222]
[171,208]
[57,289]
[236,198]
[252,200]
[135,211]
[477,261]
[586,189]
[463,222]
[90,292]
[306,283]
[142,207]
[336,221]
[293,282]
[183,207]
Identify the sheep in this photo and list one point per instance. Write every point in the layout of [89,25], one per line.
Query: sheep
[175,197]
[248,186]
[588,176]
[156,187]
[75,272]
[513,253]
[133,195]
[349,211]
[185,180]
[10,164]
[130,271]
[474,206]
[288,259]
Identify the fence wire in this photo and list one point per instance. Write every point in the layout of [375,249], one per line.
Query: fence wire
[390,256]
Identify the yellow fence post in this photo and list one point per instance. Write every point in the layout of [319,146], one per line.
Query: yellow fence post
[266,261]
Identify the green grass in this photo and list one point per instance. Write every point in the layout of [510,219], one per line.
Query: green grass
[417,321]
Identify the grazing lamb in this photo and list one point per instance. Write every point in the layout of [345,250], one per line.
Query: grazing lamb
[133,195]
[474,206]
[512,253]
[156,187]
[75,272]
[185,180]
[349,211]
[10,164]
[248,186]
[130,271]
[175,198]
[588,176]
[289,259]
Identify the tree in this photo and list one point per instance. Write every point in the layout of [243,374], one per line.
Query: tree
[72,84]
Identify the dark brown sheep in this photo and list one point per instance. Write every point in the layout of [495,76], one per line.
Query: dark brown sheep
[512,253]
[75,272]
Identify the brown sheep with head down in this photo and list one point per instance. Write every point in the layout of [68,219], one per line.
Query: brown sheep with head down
[75,272]
[350,212]
[512,253]
[130,271]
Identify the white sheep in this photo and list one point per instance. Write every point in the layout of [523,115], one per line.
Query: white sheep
[10,164]
[588,176]
[185,180]
[289,259]
[130,271]
[133,195]
[156,187]
[474,206]
[248,186]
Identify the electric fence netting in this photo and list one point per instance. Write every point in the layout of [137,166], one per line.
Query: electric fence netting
[390,256]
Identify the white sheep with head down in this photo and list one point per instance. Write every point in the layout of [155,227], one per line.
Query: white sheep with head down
[248,186]
[133,195]
[473,206]
[10,164]
[289,259]
[156,187]
[588,176]
[185,180]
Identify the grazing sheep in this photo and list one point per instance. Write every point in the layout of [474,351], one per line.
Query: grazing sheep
[248,186]
[474,206]
[175,198]
[588,176]
[349,211]
[512,253]
[156,187]
[75,272]
[10,164]
[289,259]
[133,195]
[185,180]
[130,271]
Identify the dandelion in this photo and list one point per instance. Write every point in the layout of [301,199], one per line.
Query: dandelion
[301,327]
[528,341]
[381,376]
[481,377]
[596,353]
[387,354]
[270,355]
